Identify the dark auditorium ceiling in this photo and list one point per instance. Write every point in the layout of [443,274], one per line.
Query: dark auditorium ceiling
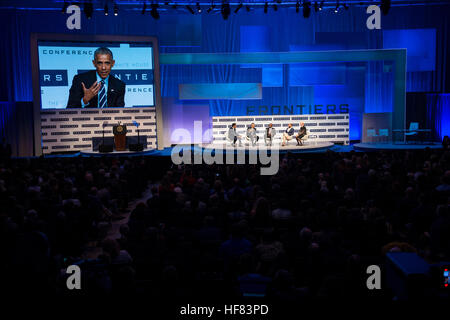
[138,4]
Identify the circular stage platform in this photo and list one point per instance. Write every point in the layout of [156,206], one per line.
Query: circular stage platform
[395,146]
[90,152]
[291,146]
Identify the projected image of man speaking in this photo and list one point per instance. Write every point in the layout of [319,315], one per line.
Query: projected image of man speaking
[96,88]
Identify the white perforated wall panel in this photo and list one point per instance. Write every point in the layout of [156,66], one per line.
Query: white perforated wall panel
[73,129]
[320,127]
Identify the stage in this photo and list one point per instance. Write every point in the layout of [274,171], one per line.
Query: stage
[217,146]
[291,146]
[308,147]
[91,153]
[395,146]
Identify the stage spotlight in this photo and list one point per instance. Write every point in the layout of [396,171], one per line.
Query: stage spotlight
[190,9]
[306,9]
[65,6]
[116,9]
[144,7]
[199,9]
[266,6]
[154,12]
[106,9]
[385,6]
[337,7]
[88,9]
[247,8]
[321,6]
[211,8]
[297,7]
[226,10]
[238,7]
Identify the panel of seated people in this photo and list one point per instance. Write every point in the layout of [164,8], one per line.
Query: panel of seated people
[319,128]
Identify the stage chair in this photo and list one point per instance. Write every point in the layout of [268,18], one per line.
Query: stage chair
[267,141]
[412,131]
[238,142]
[228,139]
[293,140]
[372,133]
[384,133]
[249,141]
[304,138]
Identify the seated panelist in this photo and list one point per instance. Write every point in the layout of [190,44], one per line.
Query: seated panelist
[270,134]
[233,136]
[301,134]
[252,134]
[288,134]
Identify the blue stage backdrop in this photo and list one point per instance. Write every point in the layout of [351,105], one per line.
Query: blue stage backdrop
[438,111]
[364,87]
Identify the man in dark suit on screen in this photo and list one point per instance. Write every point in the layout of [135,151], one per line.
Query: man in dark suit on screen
[97,88]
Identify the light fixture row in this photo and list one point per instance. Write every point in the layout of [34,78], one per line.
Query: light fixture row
[225,7]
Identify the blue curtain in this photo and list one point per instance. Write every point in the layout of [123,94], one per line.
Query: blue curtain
[209,33]
[379,93]
[438,109]
[286,30]
[6,114]
[16,127]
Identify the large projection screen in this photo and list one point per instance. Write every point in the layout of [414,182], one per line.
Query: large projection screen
[57,58]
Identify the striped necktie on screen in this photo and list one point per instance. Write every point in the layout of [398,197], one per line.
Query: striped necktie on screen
[102,95]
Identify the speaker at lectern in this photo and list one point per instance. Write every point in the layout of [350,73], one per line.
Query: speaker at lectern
[120,136]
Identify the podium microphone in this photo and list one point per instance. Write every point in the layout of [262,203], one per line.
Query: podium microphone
[103,148]
[105,123]
[137,129]
[138,146]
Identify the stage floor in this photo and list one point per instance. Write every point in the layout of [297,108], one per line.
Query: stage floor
[291,146]
[90,152]
[395,146]
[309,147]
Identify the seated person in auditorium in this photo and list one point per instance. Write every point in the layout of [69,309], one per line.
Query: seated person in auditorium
[96,88]
[270,134]
[288,134]
[252,134]
[301,133]
[233,136]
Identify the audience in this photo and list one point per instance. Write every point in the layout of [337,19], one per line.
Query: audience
[222,230]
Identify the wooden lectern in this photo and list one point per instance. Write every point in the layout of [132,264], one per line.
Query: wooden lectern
[120,136]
